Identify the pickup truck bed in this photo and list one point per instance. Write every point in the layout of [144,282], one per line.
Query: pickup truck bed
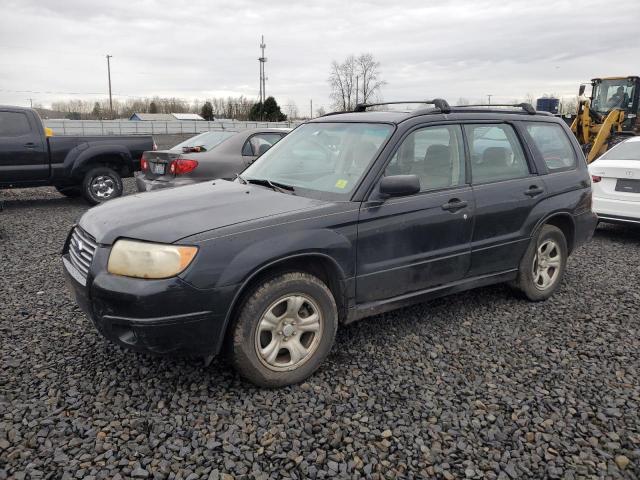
[76,165]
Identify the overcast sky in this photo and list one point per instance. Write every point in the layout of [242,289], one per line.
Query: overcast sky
[199,49]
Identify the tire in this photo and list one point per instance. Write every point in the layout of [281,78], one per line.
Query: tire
[268,320]
[70,192]
[531,280]
[101,184]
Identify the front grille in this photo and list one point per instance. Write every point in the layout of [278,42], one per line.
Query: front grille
[81,250]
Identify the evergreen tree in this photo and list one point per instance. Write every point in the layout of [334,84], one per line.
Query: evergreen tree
[270,112]
[207,111]
[153,107]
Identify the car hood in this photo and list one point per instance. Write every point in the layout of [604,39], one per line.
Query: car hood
[167,216]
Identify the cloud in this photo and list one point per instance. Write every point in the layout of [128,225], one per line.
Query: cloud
[195,49]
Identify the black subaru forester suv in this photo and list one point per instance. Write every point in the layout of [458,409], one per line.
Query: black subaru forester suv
[348,216]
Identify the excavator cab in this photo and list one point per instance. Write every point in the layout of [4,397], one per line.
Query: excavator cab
[620,93]
[609,115]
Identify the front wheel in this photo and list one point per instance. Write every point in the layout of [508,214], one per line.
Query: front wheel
[284,330]
[542,266]
[101,184]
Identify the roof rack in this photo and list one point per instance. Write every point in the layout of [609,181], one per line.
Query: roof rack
[439,103]
[527,107]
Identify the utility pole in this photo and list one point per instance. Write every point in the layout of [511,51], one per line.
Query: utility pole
[490,95]
[31,102]
[263,93]
[311,108]
[109,75]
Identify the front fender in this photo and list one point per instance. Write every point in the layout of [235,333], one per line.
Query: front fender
[237,258]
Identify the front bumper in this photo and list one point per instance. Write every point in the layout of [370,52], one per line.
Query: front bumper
[144,184]
[155,316]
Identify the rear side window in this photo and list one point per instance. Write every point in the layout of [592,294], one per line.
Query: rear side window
[13,124]
[434,154]
[496,153]
[552,143]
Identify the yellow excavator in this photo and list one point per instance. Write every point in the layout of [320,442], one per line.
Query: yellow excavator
[608,116]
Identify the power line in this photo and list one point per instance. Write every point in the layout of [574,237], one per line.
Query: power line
[49,92]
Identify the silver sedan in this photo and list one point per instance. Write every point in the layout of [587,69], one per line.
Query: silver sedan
[207,156]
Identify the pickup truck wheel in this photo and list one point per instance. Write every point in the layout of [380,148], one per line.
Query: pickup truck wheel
[70,192]
[101,184]
[284,330]
[542,266]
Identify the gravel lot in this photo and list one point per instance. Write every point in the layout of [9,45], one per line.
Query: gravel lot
[478,385]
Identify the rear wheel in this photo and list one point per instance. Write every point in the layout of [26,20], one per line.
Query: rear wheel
[70,192]
[542,266]
[101,184]
[284,330]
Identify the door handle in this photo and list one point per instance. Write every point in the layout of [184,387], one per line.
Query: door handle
[454,205]
[30,145]
[534,190]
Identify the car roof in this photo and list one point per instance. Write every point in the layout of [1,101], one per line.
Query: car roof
[455,113]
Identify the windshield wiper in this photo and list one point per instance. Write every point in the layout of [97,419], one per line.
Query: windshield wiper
[239,177]
[277,186]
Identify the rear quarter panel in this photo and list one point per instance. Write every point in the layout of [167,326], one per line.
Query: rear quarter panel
[68,153]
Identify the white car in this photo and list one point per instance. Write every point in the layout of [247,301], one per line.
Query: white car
[615,178]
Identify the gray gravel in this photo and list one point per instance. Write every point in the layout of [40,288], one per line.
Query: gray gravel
[478,385]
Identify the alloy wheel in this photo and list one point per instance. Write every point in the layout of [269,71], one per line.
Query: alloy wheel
[546,264]
[289,332]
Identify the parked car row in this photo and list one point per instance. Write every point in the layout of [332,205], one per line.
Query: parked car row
[347,216]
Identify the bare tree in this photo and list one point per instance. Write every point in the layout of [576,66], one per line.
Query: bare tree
[369,82]
[462,101]
[320,112]
[342,82]
[355,78]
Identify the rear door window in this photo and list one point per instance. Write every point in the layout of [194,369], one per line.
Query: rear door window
[552,143]
[496,153]
[14,124]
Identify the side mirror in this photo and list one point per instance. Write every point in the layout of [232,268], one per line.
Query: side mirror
[399,185]
[581,90]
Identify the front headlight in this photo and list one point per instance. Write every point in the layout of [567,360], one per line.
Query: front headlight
[149,260]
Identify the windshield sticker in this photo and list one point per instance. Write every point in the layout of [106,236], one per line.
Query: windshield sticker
[341,183]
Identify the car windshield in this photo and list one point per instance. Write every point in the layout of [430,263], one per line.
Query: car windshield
[207,140]
[629,150]
[614,93]
[324,160]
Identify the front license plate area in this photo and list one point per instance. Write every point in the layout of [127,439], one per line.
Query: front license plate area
[628,186]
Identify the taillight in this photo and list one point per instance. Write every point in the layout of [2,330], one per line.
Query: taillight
[595,178]
[182,166]
[144,165]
